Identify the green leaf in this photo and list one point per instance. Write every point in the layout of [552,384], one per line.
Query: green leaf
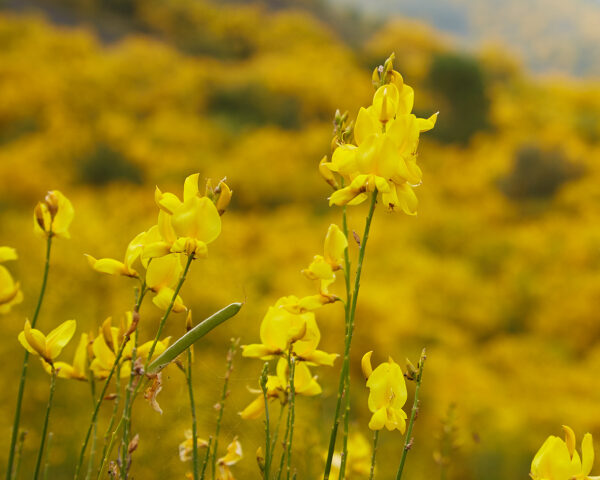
[195,334]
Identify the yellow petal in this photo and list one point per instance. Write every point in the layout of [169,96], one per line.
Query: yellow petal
[254,410]
[256,350]
[378,419]
[64,214]
[224,198]
[167,202]
[197,218]
[335,245]
[59,337]
[7,253]
[569,439]
[23,341]
[365,126]
[587,454]
[81,356]
[385,102]
[35,339]
[190,186]
[163,272]
[365,364]
[234,453]
[107,265]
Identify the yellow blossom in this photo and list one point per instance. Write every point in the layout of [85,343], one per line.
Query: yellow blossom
[186,447]
[189,225]
[53,215]
[384,156]
[358,464]
[110,340]
[79,368]
[48,347]
[234,455]
[162,276]
[275,391]
[10,291]
[387,394]
[558,459]
[133,252]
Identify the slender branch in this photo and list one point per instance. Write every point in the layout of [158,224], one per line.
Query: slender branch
[221,404]
[47,462]
[193,411]
[92,382]
[111,422]
[268,452]
[375,440]
[413,415]
[38,462]
[350,330]
[292,407]
[19,455]
[206,458]
[17,418]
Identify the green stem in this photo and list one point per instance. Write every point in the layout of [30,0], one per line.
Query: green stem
[17,418]
[375,440]
[284,444]
[129,391]
[97,406]
[113,417]
[19,455]
[350,330]
[413,415]
[206,458]
[276,434]
[47,462]
[193,411]
[109,450]
[344,455]
[267,433]
[292,407]
[221,407]
[38,462]
[92,381]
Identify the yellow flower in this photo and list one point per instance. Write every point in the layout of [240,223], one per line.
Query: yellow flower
[78,369]
[277,388]
[234,455]
[107,344]
[162,276]
[190,225]
[387,394]
[47,347]
[186,447]
[133,252]
[53,215]
[10,291]
[275,391]
[384,157]
[358,464]
[558,459]
[278,329]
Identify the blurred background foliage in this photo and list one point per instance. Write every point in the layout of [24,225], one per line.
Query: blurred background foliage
[497,276]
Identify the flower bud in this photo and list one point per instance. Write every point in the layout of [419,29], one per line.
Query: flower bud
[224,197]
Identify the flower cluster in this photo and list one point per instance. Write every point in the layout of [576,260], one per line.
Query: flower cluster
[289,329]
[383,157]
[184,228]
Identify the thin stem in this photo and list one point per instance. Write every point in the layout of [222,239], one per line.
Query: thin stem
[38,462]
[47,462]
[113,417]
[17,418]
[221,405]
[129,391]
[375,440]
[206,458]
[193,411]
[344,455]
[284,444]
[276,434]
[292,407]
[97,406]
[92,382]
[109,450]
[267,433]
[19,455]
[350,330]
[413,415]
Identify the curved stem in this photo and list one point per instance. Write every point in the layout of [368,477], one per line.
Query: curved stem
[413,415]
[38,462]
[111,422]
[350,330]
[375,440]
[17,418]
[267,471]
[206,458]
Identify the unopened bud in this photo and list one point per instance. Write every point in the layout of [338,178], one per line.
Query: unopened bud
[224,197]
[188,321]
[327,174]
